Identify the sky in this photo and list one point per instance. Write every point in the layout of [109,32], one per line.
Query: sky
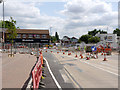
[67,17]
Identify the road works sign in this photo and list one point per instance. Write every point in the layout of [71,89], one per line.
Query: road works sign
[93,48]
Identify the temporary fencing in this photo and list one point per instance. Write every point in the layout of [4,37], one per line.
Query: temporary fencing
[37,73]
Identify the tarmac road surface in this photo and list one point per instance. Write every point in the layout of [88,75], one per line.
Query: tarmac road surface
[94,73]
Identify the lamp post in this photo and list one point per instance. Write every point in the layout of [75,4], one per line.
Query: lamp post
[50,34]
[3,24]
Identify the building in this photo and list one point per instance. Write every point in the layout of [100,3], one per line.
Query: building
[30,36]
[108,39]
[73,40]
[118,39]
[66,41]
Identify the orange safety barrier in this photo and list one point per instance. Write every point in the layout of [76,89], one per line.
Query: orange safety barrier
[37,74]
[41,59]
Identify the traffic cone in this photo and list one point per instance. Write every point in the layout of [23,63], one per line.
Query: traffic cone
[81,57]
[63,53]
[96,56]
[105,57]
[87,57]
[69,53]
[102,53]
[76,56]
[46,50]
[57,52]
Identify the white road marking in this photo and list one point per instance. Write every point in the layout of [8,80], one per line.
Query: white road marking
[100,68]
[65,78]
[108,65]
[56,82]
[29,84]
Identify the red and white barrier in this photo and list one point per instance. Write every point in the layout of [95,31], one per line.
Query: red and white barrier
[37,74]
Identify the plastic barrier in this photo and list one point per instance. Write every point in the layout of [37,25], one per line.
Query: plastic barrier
[37,74]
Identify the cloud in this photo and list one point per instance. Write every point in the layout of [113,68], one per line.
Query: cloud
[81,16]
[89,13]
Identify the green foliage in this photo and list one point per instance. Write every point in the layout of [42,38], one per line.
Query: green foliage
[95,31]
[79,41]
[117,31]
[53,39]
[85,38]
[94,39]
[57,36]
[10,25]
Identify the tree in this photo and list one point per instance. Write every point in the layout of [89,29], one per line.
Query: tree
[95,31]
[85,38]
[53,39]
[57,36]
[79,41]
[12,33]
[94,39]
[117,31]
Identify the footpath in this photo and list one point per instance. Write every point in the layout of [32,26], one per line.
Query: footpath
[16,70]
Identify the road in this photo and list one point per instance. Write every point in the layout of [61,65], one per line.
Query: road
[80,73]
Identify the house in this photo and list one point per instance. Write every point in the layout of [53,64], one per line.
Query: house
[67,41]
[73,40]
[109,38]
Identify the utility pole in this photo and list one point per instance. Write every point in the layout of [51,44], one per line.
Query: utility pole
[1,1]
[50,33]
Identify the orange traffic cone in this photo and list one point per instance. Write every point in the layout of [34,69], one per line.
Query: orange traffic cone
[102,53]
[46,50]
[87,57]
[69,53]
[105,57]
[81,57]
[63,53]
[57,52]
[76,56]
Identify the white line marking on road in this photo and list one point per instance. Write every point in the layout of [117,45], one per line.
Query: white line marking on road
[100,68]
[65,78]
[56,82]
[29,84]
[109,65]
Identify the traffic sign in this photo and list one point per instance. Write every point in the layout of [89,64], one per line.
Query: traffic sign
[93,48]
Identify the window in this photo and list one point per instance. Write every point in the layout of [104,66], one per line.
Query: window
[18,36]
[24,36]
[37,36]
[30,36]
[44,36]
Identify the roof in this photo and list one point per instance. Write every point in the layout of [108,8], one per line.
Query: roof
[66,37]
[73,38]
[31,31]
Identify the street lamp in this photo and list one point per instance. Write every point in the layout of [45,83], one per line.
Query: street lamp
[50,34]
[3,23]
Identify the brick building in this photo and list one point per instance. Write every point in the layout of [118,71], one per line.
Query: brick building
[30,36]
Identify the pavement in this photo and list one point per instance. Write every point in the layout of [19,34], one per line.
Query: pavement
[0,70]
[16,70]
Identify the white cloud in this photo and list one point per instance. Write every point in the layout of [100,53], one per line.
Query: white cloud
[89,13]
[81,16]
